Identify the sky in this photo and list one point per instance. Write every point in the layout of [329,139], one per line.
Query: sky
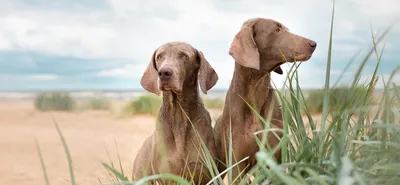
[106,44]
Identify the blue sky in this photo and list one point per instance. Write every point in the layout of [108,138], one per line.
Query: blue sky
[106,44]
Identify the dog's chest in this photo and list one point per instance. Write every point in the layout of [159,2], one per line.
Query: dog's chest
[178,152]
[175,162]
[252,126]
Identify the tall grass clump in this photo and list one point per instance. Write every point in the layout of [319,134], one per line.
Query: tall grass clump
[54,101]
[351,143]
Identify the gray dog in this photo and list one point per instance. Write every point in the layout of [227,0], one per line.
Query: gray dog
[175,70]
[259,48]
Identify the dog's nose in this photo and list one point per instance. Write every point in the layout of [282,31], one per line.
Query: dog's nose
[164,74]
[313,44]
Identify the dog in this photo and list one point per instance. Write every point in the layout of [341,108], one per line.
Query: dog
[183,123]
[259,48]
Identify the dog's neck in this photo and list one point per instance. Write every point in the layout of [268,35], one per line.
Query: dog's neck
[185,101]
[248,82]
[254,86]
[176,110]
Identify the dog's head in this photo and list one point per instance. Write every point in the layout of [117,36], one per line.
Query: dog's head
[271,42]
[175,65]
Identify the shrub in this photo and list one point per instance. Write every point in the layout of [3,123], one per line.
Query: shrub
[99,104]
[56,101]
[315,100]
[338,97]
[150,105]
[144,105]
[215,103]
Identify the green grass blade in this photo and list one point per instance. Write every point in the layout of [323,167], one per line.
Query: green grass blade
[326,94]
[46,179]
[167,176]
[205,154]
[111,163]
[226,171]
[115,172]
[67,153]
[119,158]
[357,75]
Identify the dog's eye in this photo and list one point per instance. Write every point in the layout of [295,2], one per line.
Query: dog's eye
[159,57]
[183,56]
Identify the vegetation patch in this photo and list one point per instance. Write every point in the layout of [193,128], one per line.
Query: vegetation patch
[54,101]
[214,103]
[148,104]
[98,104]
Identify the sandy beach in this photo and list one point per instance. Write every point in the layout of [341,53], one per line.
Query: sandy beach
[87,133]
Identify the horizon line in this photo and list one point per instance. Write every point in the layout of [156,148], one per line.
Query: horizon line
[114,90]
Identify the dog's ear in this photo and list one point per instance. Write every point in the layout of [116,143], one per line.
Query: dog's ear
[150,76]
[243,48]
[278,70]
[207,75]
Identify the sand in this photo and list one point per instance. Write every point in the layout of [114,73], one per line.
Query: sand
[87,134]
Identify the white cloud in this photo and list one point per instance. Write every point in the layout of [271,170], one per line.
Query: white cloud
[34,77]
[43,77]
[123,31]
[133,29]
[39,33]
[373,8]
[127,71]
[4,43]
[113,72]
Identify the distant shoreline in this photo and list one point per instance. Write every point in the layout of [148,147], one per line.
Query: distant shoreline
[121,90]
[87,94]
[119,94]
[87,90]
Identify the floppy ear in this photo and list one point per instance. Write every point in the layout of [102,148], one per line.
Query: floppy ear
[278,70]
[149,78]
[207,75]
[244,49]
